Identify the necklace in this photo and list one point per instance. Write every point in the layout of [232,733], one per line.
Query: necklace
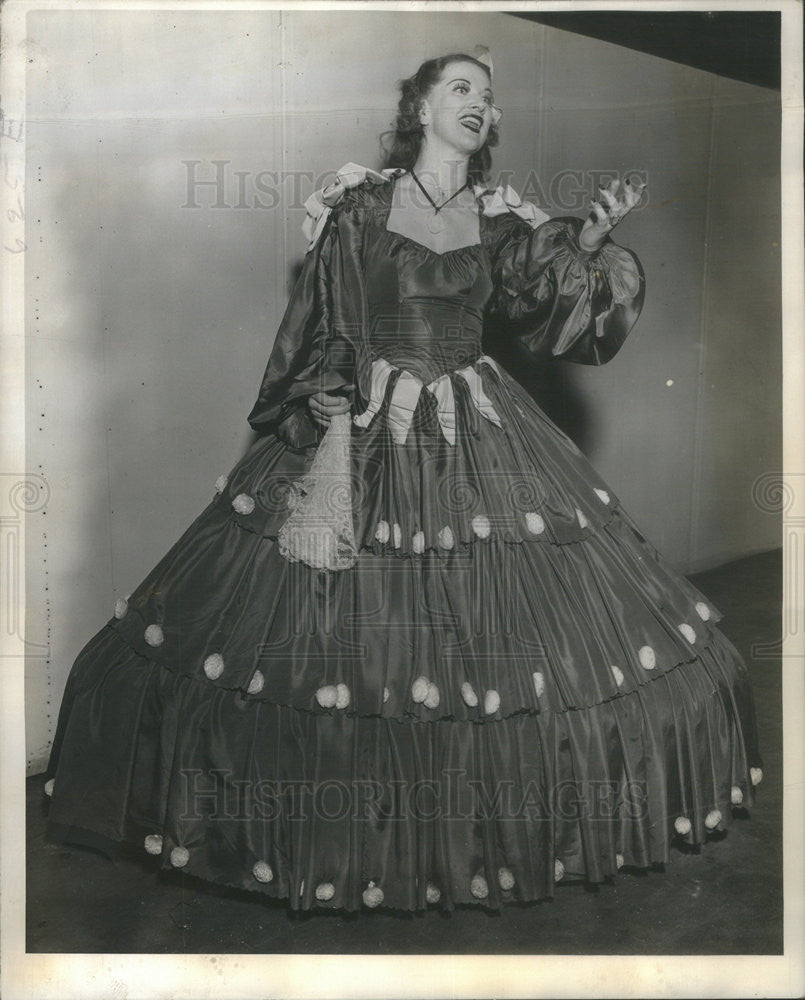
[435,224]
[438,208]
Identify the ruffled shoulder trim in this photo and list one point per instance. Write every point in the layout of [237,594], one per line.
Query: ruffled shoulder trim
[500,201]
[319,205]
[505,199]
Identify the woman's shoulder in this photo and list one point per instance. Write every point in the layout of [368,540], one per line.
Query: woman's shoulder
[353,188]
[502,206]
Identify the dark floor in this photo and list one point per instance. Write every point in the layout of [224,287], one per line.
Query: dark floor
[725,900]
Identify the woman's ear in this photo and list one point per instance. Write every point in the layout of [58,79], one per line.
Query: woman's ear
[424,112]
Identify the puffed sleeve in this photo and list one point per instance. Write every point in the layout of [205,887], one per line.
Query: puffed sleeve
[321,344]
[563,301]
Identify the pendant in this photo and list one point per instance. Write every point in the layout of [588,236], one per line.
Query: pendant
[435,224]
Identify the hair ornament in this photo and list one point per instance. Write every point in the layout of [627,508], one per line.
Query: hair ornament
[481,53]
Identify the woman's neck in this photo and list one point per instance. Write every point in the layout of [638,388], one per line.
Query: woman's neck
[444,169]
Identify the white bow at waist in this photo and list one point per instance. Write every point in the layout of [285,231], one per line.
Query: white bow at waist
[406,393]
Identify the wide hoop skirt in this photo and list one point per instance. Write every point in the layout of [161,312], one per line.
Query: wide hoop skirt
[510,687]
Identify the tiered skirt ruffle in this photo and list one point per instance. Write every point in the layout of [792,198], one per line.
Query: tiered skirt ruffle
[464,716]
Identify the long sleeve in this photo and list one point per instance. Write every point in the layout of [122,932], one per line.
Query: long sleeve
[563,302]
[321,342]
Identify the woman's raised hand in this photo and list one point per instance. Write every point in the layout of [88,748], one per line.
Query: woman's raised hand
[606,216]
[324,406]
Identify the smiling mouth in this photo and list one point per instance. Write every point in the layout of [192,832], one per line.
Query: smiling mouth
[472,122]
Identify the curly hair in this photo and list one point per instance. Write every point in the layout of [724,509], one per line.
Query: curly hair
[407,135]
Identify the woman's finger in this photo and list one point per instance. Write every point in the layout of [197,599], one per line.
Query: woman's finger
[633,193]
[600,213]
[323,402]
[609,197]
[338,405]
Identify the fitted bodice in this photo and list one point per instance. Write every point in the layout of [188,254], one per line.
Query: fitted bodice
[425,308]
[368,294]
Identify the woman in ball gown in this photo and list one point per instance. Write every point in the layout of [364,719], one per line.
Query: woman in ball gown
[414,652]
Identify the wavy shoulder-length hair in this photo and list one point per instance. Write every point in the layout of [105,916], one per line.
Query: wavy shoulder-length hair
[401,145]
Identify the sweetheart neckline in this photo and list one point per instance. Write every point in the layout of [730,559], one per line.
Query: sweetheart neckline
[424,246]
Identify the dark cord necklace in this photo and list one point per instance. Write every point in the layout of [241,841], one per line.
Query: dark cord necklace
[438,208]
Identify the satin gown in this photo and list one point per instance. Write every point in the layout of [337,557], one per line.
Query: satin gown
[510,686]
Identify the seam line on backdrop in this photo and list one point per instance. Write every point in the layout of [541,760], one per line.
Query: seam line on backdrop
[701,388]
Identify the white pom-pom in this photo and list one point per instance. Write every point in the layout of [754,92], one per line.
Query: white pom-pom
[50,784]
[262,871]
[481,525]
[505,879]
[256,683]
[327,696]
[397,535]
[214,666]
[469,696]
[491,702]
[220,484]
[418,542]
[432,697]
[385,695]
[121,607]
[703,611]
[682,825]
[581,518]
[154,635]
[619,861]
[534,523]
[755,775]
[558,870]
[419,689]
[617,673]
[736,795]
[383,532]
[712,819]
[342,696]
[179,857]
[648,661]
[602,495]
[325,891]
[153,843]
[372,895]
[539,683]
[688,632]
[432,893]
[243,503]
[445,537]
[479,887]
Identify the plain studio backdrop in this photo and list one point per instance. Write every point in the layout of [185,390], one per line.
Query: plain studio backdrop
[152,301]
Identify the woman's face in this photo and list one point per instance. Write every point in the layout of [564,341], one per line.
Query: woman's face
[460,107]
